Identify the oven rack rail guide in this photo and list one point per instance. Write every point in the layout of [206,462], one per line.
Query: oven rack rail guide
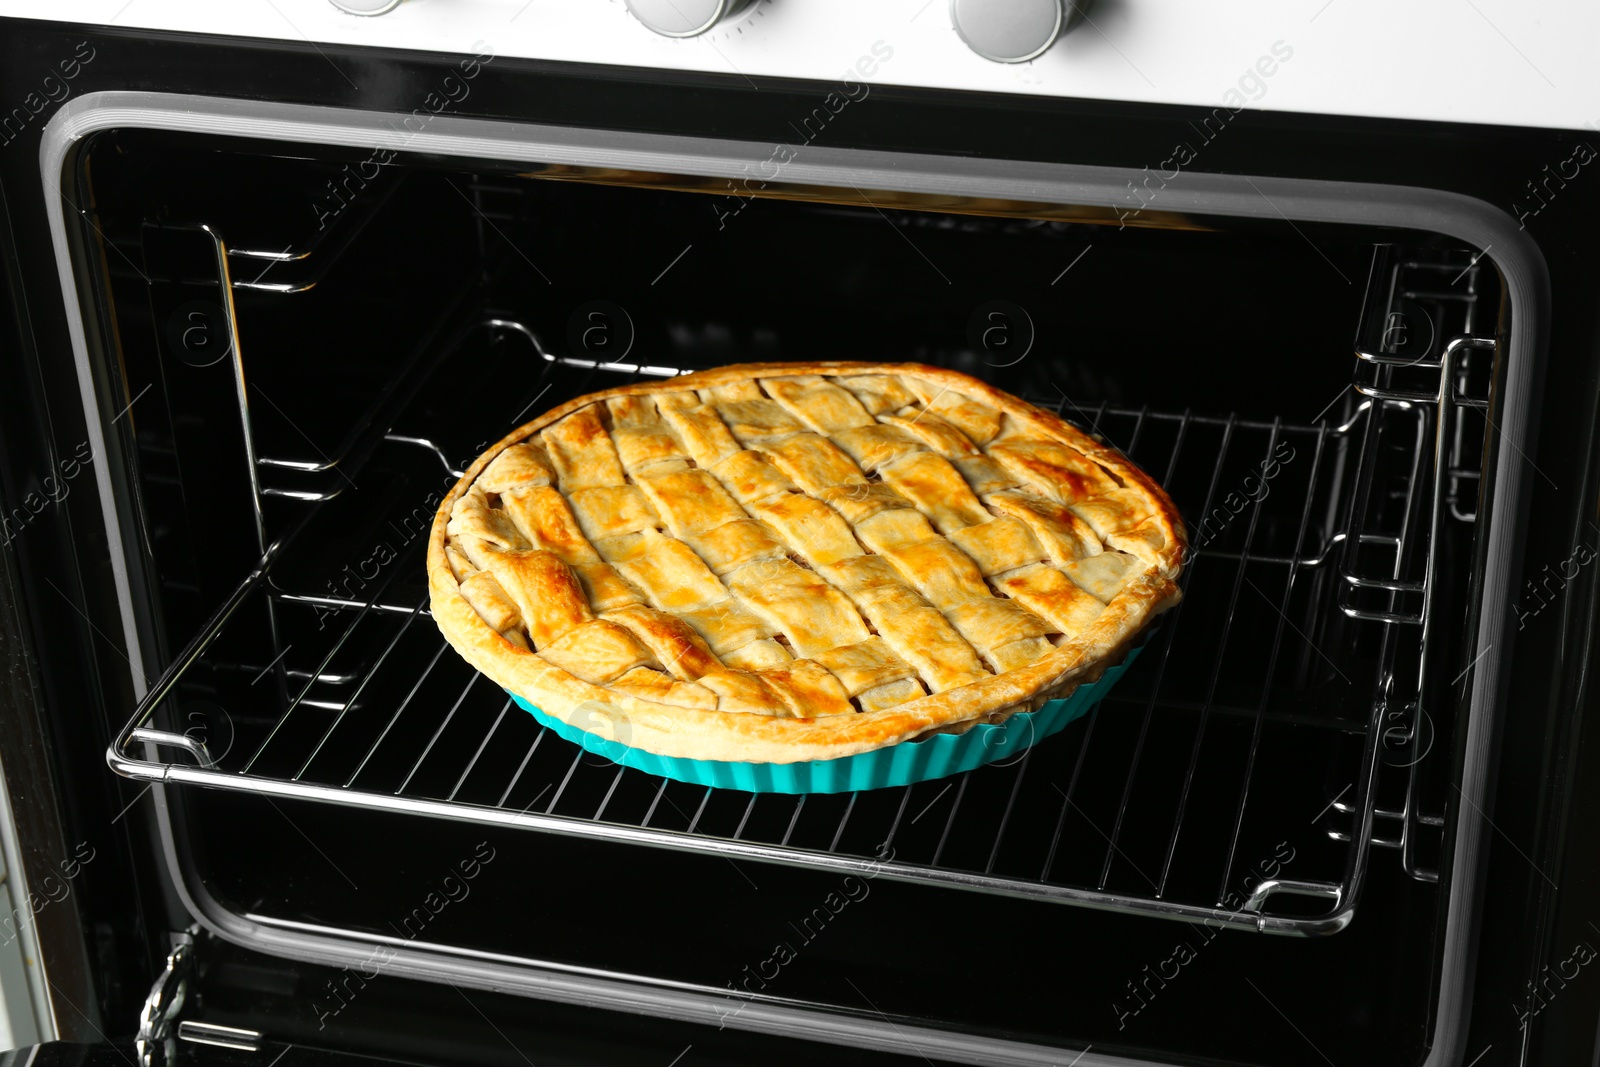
[1419,350]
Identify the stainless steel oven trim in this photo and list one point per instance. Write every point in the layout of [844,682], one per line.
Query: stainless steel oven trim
[1475,222]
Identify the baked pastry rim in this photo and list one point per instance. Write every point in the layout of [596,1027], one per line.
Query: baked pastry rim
[671,730]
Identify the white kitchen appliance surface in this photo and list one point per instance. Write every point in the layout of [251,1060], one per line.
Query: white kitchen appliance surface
[1505,62]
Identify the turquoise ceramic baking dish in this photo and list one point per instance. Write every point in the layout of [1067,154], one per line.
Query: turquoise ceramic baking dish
[913,761]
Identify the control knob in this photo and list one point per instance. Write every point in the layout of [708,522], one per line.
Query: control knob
[365,7]
[1008,31]
[684,18]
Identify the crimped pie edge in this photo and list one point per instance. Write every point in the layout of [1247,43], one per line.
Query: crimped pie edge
[741,736]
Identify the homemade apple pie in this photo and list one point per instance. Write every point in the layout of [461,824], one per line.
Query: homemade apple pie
[779,562]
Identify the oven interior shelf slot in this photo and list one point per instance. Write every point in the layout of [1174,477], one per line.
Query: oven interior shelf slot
[1155,804]
[350,201]
[313,480]
[195,258]
[1416,350]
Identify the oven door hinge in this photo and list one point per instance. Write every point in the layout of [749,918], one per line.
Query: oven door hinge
[159,1024]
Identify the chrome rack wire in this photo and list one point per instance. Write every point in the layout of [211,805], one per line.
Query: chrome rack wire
[325,477]
[320,479]
[376,712]
[298,268]
[1420,353]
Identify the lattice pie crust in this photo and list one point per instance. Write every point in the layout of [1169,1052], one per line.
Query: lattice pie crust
[794,561]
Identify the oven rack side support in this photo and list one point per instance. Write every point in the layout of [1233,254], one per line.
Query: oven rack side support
[1406,292]
[313,480]
[307,262]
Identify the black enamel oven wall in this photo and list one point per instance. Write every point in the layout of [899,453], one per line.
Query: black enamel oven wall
[1251,320]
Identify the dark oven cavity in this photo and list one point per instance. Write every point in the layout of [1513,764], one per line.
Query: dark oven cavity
[326,343]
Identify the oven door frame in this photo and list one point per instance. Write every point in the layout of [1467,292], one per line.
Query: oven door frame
[1469,220]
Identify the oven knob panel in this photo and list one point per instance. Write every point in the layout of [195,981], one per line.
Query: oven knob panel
[1008,31]
[685,18]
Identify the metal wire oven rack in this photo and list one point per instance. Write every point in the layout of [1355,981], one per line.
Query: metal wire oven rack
[1152,805]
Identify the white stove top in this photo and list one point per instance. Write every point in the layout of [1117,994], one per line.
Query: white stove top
[1507,62]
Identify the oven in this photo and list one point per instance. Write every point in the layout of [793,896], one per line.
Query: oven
[264,300]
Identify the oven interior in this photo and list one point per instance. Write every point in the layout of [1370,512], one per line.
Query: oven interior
[308,349]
